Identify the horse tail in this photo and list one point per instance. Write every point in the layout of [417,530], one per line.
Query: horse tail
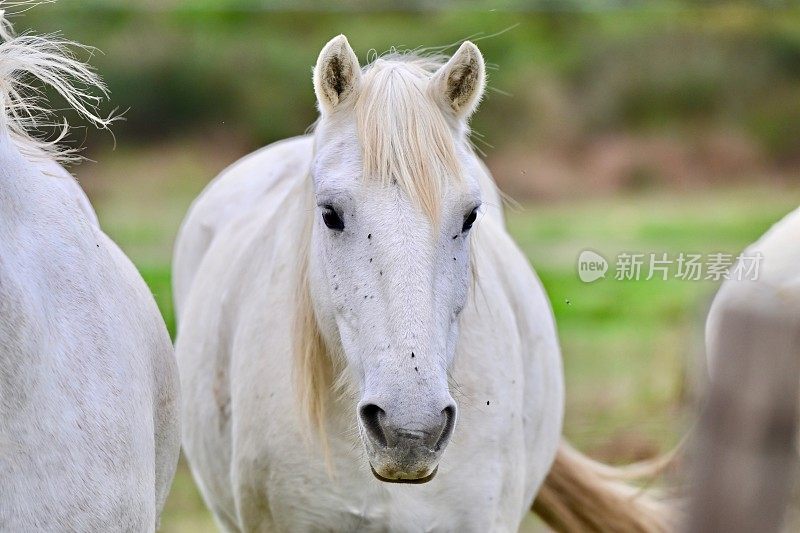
[26,63]
[580,494]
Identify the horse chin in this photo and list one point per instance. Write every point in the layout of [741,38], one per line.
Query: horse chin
[401,478]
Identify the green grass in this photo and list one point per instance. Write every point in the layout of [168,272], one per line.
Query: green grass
[628,346]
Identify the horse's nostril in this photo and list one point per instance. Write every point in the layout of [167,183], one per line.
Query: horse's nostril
[371,416]
[449,414]
[432,432]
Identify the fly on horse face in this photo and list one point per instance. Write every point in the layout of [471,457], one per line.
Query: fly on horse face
[362,346]
[89,436]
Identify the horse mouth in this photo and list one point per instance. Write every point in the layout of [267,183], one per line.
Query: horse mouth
[411,481]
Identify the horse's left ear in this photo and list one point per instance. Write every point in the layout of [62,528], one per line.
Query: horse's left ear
[459,83]
[337,74]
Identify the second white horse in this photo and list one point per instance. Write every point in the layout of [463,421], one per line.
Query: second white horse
[362,346]
[89,434]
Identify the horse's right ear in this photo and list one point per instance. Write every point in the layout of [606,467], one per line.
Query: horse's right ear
[337,75]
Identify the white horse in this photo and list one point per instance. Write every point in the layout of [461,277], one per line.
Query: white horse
[775,284]
[362,346]
[89,429]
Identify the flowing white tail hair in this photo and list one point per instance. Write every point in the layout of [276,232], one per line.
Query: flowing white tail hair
[29,62]
[581,495]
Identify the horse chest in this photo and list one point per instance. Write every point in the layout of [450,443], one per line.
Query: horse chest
[367,506]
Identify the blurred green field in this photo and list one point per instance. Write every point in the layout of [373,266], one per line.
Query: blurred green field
[628,345]
[582,97]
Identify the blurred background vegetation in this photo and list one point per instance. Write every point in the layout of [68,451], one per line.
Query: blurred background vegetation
[618,126]
[603,99]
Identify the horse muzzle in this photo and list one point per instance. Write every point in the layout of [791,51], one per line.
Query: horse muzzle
[408,452]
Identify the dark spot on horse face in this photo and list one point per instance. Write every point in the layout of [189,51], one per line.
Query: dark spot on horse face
[454,259]
[369,236]
[416,368]
[455,237]
[381,272]
[370,260]
[487,402]
[336,287]
[412,355]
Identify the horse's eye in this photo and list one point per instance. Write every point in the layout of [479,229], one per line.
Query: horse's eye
[332,218]
[469,220]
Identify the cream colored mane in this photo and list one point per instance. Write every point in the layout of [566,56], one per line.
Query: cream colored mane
[404,135]
[26,63]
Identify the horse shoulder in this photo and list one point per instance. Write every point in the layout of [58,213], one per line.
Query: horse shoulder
[256,180]
[542,376]
[230,351]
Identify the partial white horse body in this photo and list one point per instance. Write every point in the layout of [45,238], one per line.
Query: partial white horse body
[354,354]
[89,428]
[775,283]
[71,188]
